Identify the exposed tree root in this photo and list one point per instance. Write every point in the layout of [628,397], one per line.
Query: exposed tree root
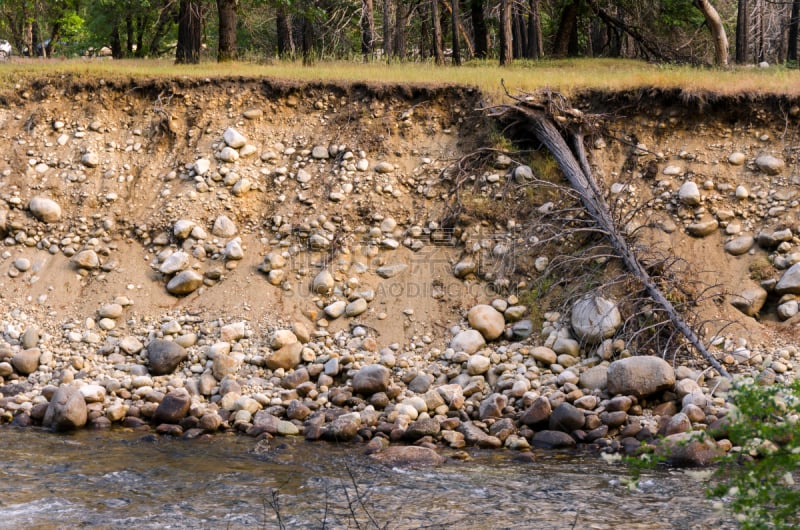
[540,121]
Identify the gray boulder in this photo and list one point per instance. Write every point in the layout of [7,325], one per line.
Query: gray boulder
[26,362]
[371,379]
[342,429]
[595,318]
[174,407]
[566,418]
[595,377]
[67,410]
[286,357]
[552,440]
[538,412]
[165,356]
[770,165]
[408,456]
[750,300]
[790,281]
[474,435]
[640,376]
[468,341]
[492,406]
[185,282]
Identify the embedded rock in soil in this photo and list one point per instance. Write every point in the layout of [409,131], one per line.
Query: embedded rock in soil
[750,300]
[186,282]
[595,318]
[45,210]
[770,165]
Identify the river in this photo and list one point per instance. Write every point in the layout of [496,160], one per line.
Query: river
[117,479]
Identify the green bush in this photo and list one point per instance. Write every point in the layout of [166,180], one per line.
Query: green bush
[758,476]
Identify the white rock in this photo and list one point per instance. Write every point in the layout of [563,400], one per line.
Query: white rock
[770,165]
[336,309]
[595,318]
[224,227]
[322,283]
[183,228]
[90,159]
[228,154]
[737,159]
[233,250]
[478,364]
[176,262]
[281,338]
[689,194]
[468,341]
[93,393]
[44,209]
[201,166]
[234,138]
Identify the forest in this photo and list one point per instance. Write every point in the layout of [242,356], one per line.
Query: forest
[719,32]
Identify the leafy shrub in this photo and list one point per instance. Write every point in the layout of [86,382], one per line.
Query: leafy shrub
[759,474]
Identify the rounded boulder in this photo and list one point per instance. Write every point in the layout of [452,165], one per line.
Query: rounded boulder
[488,320]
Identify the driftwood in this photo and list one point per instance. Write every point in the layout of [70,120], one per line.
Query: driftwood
[575,167]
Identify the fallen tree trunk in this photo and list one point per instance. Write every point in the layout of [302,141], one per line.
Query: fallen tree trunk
[576,169]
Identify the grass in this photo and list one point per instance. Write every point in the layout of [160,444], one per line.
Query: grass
[567,76]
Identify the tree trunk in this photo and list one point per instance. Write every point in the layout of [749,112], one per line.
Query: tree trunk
[116,42]
[387,29]
[189,26]
[141,27]
[714,23]
[283,23]
[479,29]
[308,41]
[227,11]
[743,30]
[566,27]
[456,43]
[129,34]
[519,35]
[438,52]
[535,43]
[506,35]
[367,29]
[794,21]
[400,22]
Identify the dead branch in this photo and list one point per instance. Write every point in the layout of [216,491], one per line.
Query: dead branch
[538,119]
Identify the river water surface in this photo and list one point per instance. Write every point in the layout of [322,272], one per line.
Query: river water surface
[115,479]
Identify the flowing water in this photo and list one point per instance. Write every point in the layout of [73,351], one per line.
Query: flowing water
[115,479]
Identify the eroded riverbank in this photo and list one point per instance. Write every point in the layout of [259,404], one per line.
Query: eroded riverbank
[358,263]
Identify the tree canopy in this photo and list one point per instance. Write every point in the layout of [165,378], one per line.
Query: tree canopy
[442,31]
